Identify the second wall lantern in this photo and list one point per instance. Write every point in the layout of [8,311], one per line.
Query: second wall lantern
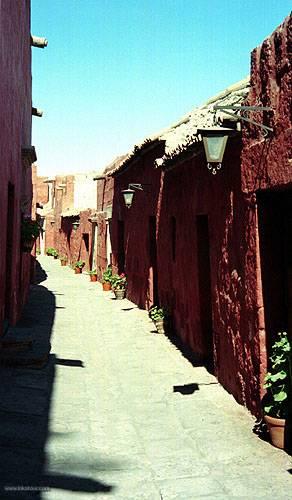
[128,194]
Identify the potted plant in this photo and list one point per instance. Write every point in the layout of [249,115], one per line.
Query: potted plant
[93,275]
[106,279]
[119,285]
[50,251]
[55,254]
[78,266]
[64,260]
[278,383]
[30,231]
[158,316]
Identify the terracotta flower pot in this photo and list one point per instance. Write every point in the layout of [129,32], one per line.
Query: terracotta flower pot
[120,294]
[159,325]
[106,286]
[78,270]
[63,262]
[93,277]
[276,427]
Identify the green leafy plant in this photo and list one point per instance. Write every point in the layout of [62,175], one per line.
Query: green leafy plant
[50,251]
[156,313]
[79,263]
[30,230]
[107,275]
[55,253]
[278,380]
[119,281]
[93,272]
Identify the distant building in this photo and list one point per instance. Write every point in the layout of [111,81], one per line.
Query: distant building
[65,216]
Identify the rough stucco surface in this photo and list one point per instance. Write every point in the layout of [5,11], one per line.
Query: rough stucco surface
[267,163]
[15,126]
[104,200]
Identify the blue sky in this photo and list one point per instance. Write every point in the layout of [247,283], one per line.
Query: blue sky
[116,71]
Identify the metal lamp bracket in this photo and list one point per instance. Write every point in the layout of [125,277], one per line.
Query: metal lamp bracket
[139,187]
[245,110]
[135,186]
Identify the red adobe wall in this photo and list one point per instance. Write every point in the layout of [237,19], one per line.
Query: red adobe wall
[267,178]
[15,112]
[105,190]
[229,201]
[266,164]
[184,193]
[42,195]
[76,244]
[136,226]
[190,193]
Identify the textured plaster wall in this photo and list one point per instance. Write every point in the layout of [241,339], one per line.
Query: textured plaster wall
[15,126]
[268,163]
[105,189]
[73,242]
[41,190]
[267,166]
[136,226]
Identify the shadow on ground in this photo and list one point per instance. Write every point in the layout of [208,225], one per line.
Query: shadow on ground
[25,399]
[70,362]
[187,352]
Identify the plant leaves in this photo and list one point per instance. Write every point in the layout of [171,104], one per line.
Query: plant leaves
[278,376]
[280,396]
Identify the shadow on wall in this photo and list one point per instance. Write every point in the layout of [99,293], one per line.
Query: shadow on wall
[26,389]
[40,273]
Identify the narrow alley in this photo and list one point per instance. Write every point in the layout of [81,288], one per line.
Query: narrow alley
[118,412]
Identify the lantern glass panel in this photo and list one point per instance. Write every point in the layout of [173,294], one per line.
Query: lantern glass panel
[128,195]
[214,147]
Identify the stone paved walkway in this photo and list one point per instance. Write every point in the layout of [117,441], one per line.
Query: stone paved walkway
[121,426]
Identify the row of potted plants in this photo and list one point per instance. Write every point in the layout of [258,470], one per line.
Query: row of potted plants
[110,281]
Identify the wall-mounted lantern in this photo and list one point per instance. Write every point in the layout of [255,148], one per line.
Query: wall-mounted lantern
[214,140]
[128,194]
[75,225]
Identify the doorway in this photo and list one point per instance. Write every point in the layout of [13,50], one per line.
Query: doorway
[153,272]
[121,246]
[275,237]
[204,282]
